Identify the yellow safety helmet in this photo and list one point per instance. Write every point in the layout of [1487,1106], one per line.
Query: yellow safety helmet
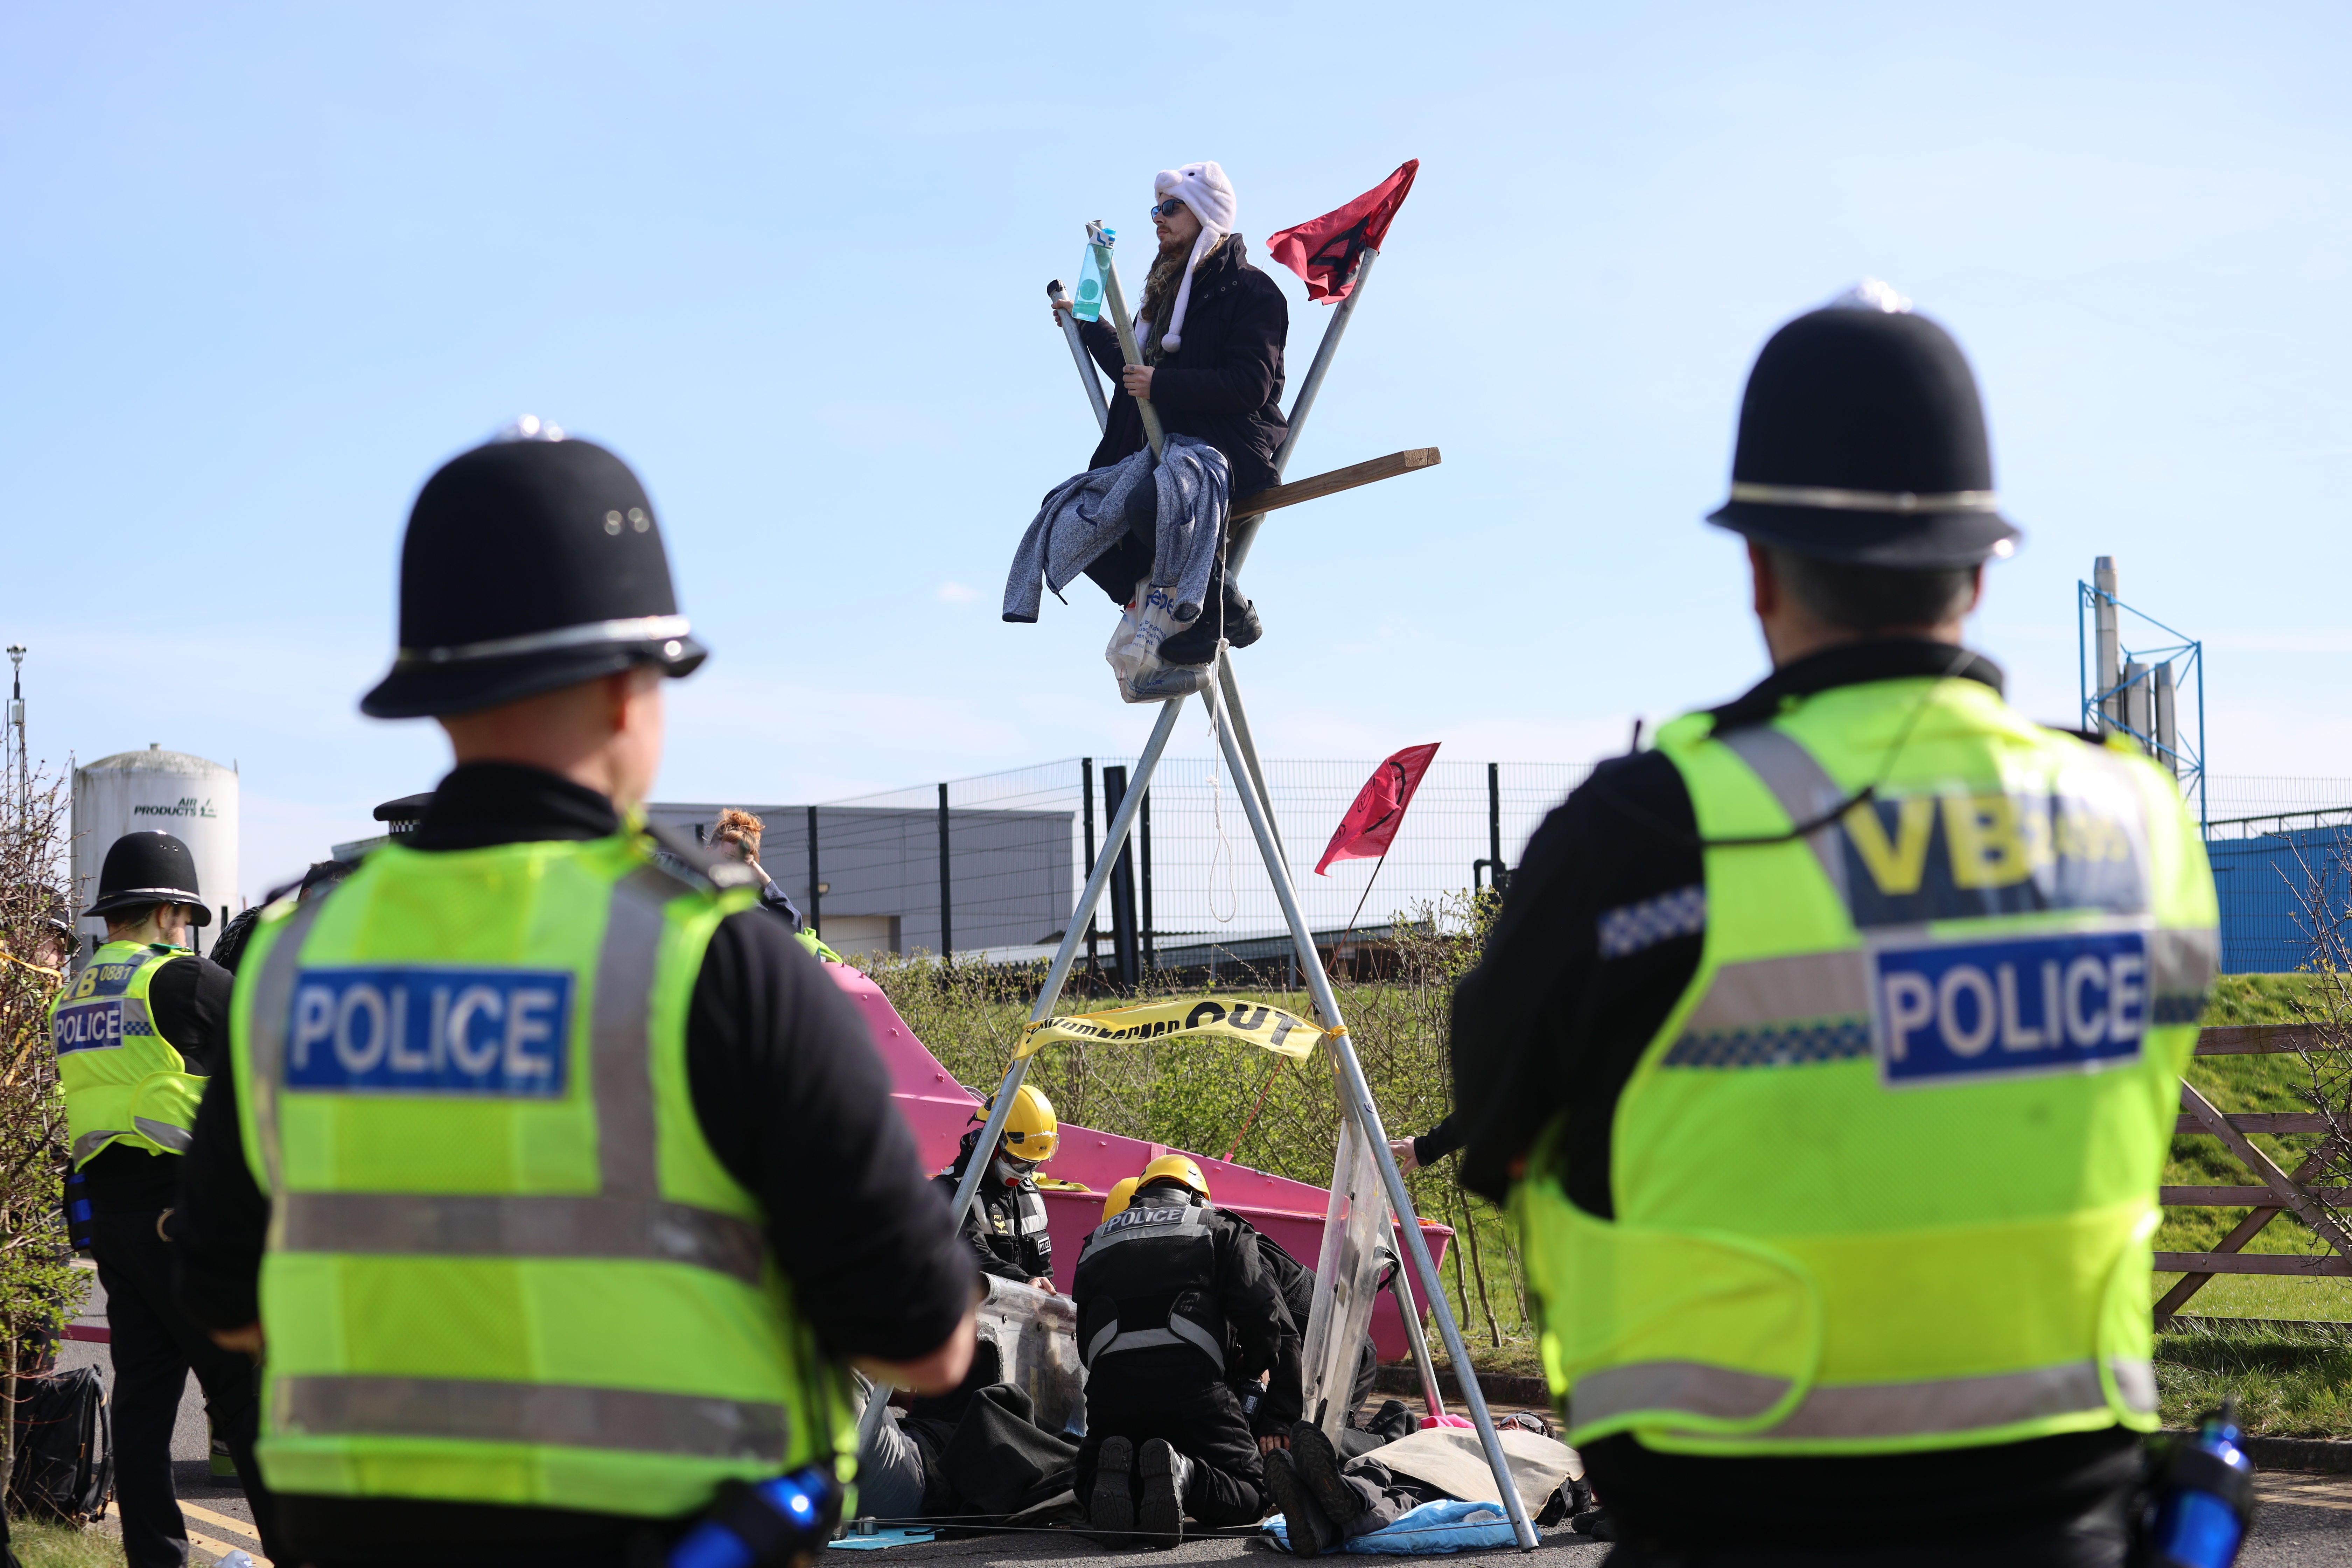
[1122,1193]
[1030,1131]
[1181,1167]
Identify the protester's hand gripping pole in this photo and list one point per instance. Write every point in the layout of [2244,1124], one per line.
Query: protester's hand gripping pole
[1356,1096]
[1246,530]
[1115,836]
[1069,320]
[1115,297]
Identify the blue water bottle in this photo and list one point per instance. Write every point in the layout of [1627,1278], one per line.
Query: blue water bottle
[1089,299]
[2206,1498]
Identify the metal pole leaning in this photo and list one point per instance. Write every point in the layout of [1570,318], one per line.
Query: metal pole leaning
[1357,1097]
[1122,821]
[1246,530]
[1116,298]
[1232,688]
[1069,320]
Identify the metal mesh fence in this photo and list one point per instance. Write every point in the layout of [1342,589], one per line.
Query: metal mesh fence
[1011,855]
[1008,861]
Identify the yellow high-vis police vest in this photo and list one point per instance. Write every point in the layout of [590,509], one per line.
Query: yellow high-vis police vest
[123,1081]
[1885,1179]
[504,1265]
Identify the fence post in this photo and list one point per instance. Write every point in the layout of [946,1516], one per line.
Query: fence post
[947,907]
[1125,959]
[1086,796]
[1494,823]
[1151,947]
[817,888]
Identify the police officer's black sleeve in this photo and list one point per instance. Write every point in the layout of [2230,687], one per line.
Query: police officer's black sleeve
[1260,1320]
[796,1105]
[1553,1019]
[220,1219]
[189,1001]
[1438,1142]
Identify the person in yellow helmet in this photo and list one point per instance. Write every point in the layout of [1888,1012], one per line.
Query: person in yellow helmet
[1006,1222]
[1121,1194]
[1163,1285]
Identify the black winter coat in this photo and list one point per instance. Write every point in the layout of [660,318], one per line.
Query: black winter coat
[1224,385]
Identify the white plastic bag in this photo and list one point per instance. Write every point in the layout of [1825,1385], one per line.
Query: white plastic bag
[1134,651]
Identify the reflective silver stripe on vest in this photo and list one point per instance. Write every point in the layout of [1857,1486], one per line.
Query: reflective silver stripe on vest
[471,1226]
[625,1420]
[175,1139]
[1180,1330]
[1802,787]
[619,1032]
[2181,964]
[90,1143]
[1779,1011]
[1859,1410]
[271,1008]
[1031,1210]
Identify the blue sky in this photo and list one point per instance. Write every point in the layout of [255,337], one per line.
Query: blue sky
[268,265]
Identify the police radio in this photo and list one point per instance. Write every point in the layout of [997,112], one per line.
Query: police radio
[778,1523]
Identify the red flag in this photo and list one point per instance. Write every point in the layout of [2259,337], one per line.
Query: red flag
[1324,250]
[1370,825]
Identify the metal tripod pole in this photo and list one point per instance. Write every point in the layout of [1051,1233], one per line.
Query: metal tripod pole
[1357,1096]
[984,1152]
[1078,351]
[1402,1287]
[1116,298]
[1246,530]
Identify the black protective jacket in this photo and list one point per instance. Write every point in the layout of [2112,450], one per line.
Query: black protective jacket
[1224,385]
[1546,1028]
[1005,1226]
[1136,1277]
[1295,1282]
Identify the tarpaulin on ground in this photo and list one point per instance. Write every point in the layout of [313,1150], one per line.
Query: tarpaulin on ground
[1268,1028]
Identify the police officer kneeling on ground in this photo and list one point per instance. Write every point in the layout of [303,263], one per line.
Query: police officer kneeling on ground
[138,1033]
[1158,1286]
[1833,1047]
[514,1169]
[1005,1226]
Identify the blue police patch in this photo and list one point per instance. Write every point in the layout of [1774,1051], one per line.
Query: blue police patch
[2039,1003]
[96,1026]
[497,1032]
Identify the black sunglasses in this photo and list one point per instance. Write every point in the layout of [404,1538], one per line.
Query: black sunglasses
[1167,208]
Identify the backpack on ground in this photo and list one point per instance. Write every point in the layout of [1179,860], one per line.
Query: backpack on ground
[65,1447]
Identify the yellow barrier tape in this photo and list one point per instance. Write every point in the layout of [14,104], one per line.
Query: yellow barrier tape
[36,968]
[1268,1028]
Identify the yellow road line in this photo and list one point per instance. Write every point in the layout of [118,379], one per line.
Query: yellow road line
[221,1549]
[224,1521]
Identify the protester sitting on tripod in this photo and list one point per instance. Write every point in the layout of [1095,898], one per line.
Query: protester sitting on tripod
[1211,329]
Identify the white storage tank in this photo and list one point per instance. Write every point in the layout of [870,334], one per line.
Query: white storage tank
[192,799]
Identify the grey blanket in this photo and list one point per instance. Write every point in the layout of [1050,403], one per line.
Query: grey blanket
[1084,516]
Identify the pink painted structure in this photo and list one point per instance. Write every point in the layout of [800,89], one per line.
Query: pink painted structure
[941,1111]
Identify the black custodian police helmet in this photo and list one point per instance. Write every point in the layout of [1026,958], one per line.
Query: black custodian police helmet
[143,870]
[530,564]
[1862,439]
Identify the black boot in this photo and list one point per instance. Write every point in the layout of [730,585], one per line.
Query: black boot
[1311,1530]
[1166,1474]
[1224,613]
[1318,1464]
[1110,1507]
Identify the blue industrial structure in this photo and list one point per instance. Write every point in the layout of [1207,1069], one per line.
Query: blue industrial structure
[2136,690]
[2272,884]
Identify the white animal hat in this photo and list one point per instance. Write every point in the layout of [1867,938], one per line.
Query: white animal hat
[1205,188]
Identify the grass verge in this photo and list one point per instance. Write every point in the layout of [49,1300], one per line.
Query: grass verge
[2290,1381]
[40,1545]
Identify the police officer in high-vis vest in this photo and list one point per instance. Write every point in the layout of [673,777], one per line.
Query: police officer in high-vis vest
[559,1183]
[1829,1053]
[139,1031]
[1162,1286]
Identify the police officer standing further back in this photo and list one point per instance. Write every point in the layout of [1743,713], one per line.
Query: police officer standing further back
[1007,1222]
[138,1033]
[1833,1047]
[513,1170]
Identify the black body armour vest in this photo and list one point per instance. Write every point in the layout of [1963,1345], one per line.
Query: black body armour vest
[1148,1277]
